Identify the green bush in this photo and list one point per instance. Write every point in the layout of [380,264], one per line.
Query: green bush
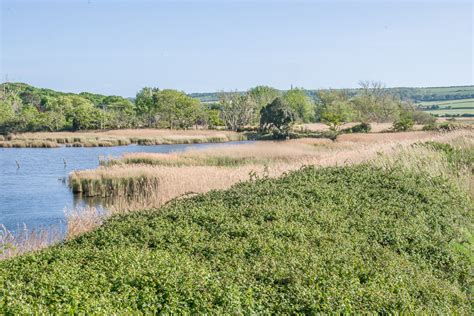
[336,240]
[403,124]
[277,117]
[443,127]
[359,128]
[421,117]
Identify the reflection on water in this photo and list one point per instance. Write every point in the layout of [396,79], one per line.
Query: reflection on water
[36,193]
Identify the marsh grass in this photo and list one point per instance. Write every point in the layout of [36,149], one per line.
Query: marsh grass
[125,176]
[452,160]
[119,138]
[148,180]
[28,144]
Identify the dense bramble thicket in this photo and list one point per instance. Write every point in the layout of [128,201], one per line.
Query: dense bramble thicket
[346,239]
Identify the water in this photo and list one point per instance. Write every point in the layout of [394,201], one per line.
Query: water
[36,194]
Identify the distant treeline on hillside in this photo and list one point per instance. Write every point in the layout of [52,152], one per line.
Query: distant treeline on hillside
[413,94]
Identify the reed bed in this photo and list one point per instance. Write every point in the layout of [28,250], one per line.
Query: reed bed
[165,177]
[119,138]
[28,144]
[298,151]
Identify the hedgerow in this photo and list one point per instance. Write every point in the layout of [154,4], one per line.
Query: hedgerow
[350,239]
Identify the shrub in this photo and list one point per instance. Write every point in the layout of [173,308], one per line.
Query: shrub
[403,124]
[442,127]
[421,117]
[359,128]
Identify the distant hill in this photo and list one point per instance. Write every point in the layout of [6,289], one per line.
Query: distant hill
[414,94]
[26,91]
[427,94]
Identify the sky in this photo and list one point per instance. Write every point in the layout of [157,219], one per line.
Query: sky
[118,47]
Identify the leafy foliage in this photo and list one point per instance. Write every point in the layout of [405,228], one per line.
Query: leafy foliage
[404,123]
[25,108]
[336,240]
[301,104]
[168,108]
[263,95]
[334,108]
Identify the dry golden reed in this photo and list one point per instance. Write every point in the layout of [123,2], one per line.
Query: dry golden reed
[191,172]
[119,138]
[25,240]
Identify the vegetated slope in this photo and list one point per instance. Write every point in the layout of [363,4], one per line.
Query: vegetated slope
[336,239]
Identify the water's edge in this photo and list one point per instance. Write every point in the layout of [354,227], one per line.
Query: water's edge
[33,186]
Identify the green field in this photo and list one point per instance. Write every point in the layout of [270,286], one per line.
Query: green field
[449,108]
[463,103]
[451,112]
[348,239]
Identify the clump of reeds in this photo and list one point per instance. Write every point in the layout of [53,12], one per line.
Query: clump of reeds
[80,220]
[28,144]
[111,186]
[119,138]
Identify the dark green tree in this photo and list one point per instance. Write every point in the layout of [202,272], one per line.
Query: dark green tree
[277,117]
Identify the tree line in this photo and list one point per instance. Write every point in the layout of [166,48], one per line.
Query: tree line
[26,108]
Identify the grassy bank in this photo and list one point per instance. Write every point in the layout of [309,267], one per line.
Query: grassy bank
[347,239]
[119,138]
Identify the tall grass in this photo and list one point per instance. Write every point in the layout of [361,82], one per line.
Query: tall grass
[25,239]
[119,138]
[142,180]
[20,143]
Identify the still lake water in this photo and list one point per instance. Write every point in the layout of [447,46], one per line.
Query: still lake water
[37,195]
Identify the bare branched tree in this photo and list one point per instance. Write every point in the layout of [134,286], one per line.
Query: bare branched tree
[237,110]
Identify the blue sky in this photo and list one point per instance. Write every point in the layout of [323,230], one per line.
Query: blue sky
[117,47]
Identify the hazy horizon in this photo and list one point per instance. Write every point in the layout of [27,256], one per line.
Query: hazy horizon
[116,48]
